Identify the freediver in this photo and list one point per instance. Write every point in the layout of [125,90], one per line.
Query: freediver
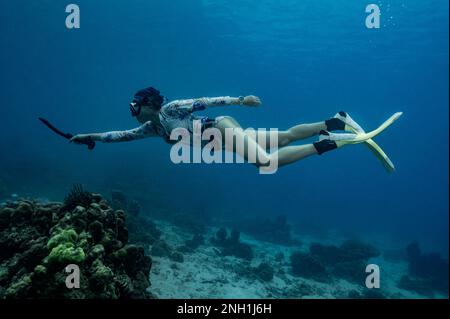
[159,118]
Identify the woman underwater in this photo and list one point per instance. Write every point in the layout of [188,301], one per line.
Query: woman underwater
[160,119]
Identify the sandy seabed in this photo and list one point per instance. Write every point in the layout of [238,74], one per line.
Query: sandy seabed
[205,274]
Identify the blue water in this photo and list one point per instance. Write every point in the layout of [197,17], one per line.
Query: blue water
[305,59]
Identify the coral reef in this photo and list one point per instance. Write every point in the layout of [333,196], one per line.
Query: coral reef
[77,197]
[348,261]
[350,250]
[277,231]
[141,230]
[38,240]
[323,262]
[427,272]
[230,244]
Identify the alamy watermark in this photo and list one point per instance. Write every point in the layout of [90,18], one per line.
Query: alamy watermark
[210,146]
[372,20]
[373,279]
[73,19]
[73,279]
[374,17]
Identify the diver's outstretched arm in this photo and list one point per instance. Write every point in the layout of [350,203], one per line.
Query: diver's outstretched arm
[206,102]
[143,131]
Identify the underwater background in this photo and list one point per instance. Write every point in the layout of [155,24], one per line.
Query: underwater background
[306,60]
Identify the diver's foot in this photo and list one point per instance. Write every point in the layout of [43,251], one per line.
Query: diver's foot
[330,141]
[350,125]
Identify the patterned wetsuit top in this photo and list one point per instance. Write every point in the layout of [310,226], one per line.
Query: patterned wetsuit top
[175,114]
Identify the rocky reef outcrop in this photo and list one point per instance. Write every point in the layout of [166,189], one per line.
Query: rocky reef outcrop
[230,244]
[141,229]
[428,273]
[38,240]
[324,262]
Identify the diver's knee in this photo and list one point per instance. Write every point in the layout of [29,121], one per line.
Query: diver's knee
[262,162]
[224,117]
[285,138]
[226,120]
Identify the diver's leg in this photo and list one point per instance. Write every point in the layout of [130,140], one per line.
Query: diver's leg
[283,156]
[300,132]
[327,142]
[290,154]
[295,133]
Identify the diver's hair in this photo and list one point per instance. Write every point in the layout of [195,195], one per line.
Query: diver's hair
[150,97]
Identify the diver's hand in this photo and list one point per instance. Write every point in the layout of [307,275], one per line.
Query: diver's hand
[252,100]
[82,138]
